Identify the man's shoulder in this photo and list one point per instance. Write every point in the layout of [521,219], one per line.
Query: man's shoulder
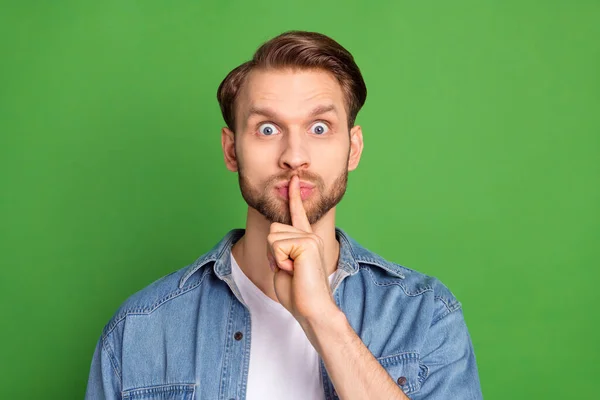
[154,295]
[173,285]
[413,283]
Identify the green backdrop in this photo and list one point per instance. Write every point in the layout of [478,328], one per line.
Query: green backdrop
[481,167]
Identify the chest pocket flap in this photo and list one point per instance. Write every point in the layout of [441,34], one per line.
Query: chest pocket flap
[406,370]
[161,392]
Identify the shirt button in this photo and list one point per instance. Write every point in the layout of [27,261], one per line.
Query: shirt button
[238,336]
[401,381]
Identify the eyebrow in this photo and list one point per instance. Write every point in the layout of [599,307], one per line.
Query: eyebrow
[270,113]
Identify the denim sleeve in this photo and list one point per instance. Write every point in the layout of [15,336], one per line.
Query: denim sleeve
[450,360]
[104,381]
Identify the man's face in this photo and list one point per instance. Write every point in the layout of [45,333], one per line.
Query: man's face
[291,123]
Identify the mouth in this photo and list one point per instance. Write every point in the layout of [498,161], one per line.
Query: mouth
[306,190]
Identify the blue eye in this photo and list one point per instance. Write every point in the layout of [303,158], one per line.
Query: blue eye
[267,129]
[320,128]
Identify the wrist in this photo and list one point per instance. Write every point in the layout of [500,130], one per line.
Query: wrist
[324,326]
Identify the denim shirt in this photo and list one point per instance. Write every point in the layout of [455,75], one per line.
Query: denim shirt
[188,335]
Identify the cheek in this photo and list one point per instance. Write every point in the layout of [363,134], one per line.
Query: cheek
[332,158]
[330,164]
[257,162]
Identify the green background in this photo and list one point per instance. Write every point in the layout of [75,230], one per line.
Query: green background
[481,167]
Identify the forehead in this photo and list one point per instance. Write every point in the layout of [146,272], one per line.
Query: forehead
[291,93]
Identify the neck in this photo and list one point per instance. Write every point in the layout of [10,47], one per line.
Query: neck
[250,251]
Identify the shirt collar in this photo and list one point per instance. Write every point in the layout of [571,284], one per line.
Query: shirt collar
[352,255]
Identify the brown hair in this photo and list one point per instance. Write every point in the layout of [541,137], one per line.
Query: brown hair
[298,50]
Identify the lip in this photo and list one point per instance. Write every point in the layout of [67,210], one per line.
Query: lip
[303,185]
[306,189]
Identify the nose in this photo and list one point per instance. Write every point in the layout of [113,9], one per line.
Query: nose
[294,154]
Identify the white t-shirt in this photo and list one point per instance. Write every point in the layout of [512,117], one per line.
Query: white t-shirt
[283,363]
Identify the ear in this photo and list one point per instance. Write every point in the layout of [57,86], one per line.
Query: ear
[356,147]
[228,144]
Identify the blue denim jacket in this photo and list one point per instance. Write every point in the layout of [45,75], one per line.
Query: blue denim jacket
[188,336]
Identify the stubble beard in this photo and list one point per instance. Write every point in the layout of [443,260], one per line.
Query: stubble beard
[276,209]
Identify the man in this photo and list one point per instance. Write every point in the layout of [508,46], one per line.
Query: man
[291,307]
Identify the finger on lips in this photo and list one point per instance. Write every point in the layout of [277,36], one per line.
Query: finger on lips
[282,233]
[297,211]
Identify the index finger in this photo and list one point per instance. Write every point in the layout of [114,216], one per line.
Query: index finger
[297,211]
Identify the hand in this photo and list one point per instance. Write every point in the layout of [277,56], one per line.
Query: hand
[297,256]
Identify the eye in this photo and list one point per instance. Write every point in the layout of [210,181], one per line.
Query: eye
[319,128]
[267,129]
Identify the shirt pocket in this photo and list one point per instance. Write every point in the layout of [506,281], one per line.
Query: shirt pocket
[405,370]
[162,392]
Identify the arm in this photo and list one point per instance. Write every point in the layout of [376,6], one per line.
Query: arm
[104,382]
[355,373]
